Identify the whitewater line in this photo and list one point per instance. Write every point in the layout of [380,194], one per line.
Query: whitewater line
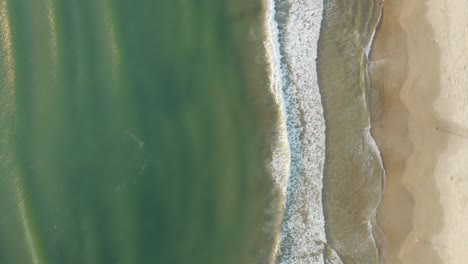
[298,155]
[281,154]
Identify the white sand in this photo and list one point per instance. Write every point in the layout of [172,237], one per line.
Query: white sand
[425,211]
[449,19]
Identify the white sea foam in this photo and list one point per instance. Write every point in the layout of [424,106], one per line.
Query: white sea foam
[281,150]
[299,151]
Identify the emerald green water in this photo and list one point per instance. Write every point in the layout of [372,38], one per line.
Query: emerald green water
[132,132]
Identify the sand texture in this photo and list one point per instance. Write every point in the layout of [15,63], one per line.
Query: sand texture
[420,59]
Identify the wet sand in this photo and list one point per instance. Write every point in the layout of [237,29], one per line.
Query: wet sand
[419,71]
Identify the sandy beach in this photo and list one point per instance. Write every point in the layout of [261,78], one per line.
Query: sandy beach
[420,71]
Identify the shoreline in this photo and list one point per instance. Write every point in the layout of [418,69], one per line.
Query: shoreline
[422,214]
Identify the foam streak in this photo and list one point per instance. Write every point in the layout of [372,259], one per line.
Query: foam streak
[299,153]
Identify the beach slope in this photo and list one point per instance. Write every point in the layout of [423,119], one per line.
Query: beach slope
[420,58]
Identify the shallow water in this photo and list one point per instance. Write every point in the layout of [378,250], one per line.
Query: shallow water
[354,176]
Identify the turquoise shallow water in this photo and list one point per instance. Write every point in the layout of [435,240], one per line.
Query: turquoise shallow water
[131,132]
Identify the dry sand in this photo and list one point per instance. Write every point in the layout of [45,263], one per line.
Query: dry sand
[421,71]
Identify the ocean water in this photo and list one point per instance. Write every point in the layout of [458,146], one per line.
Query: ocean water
[132,132]
[210,131]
